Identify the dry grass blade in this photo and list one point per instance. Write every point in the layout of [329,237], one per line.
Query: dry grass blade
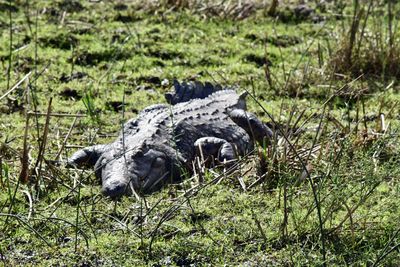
[28,195]
[1,173]
[24,174]
[65,139]
[16,85]
[63,115]
[38,164]
[260,228]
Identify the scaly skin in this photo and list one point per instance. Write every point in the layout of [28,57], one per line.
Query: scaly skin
[153,149]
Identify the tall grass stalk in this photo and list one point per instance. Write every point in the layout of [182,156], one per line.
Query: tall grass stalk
[273,8]
[369,9]
[42,148]
[1,173]
[6,176]
[353,30]
[390,24]
[76,228]
[33,87]
[10,48]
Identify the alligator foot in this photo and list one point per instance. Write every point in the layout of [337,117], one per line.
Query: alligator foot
[87,156]
[215,147]
[252,125]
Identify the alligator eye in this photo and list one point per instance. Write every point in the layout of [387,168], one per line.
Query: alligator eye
[158,162]
[138,154]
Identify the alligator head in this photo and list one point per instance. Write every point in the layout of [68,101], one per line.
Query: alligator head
[143,169]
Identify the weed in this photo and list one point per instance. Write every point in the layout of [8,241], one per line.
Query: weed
[365,49]
[88,101]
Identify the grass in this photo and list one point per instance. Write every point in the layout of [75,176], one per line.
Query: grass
[325,192]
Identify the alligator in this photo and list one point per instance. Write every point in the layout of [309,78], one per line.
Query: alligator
[159,146]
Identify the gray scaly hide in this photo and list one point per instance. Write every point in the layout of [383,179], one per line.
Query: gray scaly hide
[163,140]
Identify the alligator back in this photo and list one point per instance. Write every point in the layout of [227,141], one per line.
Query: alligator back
[188,121]
[217,101]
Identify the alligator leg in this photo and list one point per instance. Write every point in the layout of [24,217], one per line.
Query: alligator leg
[252,125]
[87,156]
[217,147]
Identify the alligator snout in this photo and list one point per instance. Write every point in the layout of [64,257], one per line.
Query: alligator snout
[116,189]
[115,180]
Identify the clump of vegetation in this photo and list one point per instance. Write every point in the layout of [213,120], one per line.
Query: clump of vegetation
[370,45]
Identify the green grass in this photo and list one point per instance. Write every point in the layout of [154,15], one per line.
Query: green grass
[97,57]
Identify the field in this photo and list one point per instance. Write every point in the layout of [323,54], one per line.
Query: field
[325,191]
